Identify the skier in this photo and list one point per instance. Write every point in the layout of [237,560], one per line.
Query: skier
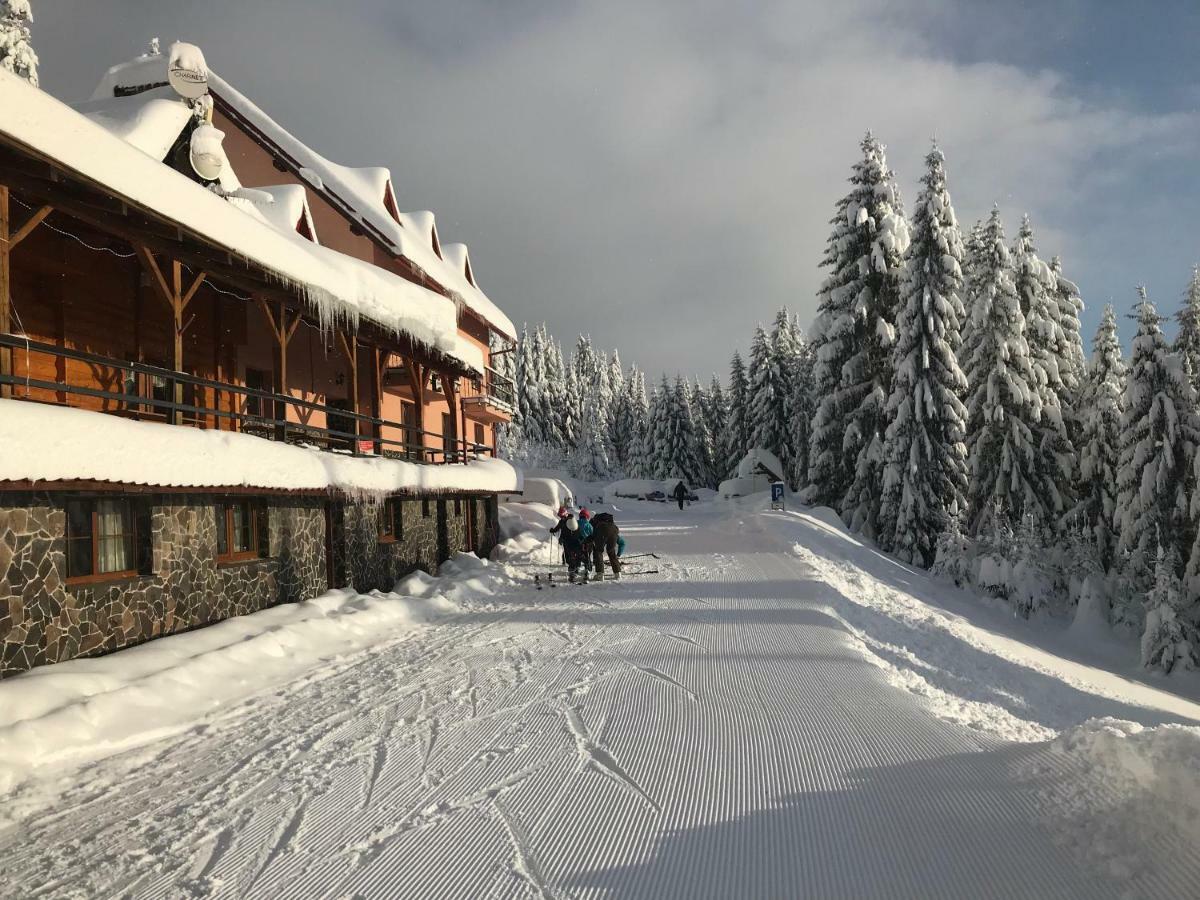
[680,493]
[585,535]
[564,515]
[606,538]
[572,545]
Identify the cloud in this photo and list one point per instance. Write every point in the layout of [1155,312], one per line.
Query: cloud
[661,175]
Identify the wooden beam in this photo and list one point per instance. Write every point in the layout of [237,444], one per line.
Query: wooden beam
[5,290]
[31,223]
[151,265]
[191,292]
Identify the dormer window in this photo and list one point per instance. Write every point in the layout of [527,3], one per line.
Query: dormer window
[303,229]
[389,203]
[467,271]
[433,239]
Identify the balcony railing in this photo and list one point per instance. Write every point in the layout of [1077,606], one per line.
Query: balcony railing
[140,391]
[494,389]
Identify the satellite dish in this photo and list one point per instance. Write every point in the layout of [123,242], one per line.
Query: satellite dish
[205,152]
[187,72]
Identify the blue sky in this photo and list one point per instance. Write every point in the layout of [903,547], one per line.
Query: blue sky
[661,174]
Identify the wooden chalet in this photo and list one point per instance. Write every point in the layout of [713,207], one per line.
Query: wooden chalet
[157,270]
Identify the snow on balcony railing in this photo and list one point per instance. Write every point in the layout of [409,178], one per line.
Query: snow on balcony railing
[89,446]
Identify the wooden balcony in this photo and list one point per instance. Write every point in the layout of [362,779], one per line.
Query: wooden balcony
[140,391]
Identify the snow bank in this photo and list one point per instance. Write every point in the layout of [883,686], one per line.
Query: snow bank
[524,529]
[549,491]
[98,447]
[987,676]
[1150,796]
[337,286]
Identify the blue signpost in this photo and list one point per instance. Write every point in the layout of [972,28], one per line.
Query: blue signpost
[777,495]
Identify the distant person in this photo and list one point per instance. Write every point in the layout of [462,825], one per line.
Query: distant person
[606,539]
[564,515]
[680,493]
[585,534]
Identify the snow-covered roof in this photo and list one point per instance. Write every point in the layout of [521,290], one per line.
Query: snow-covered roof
[363,190]
[150,121]
[92,446]
[336,285]
[283,205]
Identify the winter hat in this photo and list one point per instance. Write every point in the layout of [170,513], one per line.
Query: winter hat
[562,512]
[584,514]
[572,525]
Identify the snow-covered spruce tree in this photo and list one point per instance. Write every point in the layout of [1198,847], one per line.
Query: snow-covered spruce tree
[16,50]
[1072,363]
[853,337]
[1101,403]
[1187,339]
[1004,464]
[703,449]
[1169,640]
[616,409]
[768,396]
[656,452]
[801,406]
[1050,353]
[1158,441]
[737,424]
[675,437]
[925,469]
[572,403]
[716,411]
[592,461]
[972,257]
[525,415]
[640,462]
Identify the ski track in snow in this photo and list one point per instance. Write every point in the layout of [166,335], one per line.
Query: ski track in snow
[713,731]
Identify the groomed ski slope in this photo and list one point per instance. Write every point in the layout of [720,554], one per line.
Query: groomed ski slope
[732,727]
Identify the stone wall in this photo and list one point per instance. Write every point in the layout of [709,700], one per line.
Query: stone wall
[43,619]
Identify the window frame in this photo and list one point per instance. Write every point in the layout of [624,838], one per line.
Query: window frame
[391,516]
[137,511]
[254,510]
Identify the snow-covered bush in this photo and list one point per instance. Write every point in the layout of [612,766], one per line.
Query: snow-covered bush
[1031,581]
[995,549]
[954,558]
[1169,641]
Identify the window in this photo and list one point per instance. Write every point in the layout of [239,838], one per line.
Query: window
[107,538]
[241,530]
[480,435]
[412,437]
[391,521]
[458,506]
[424,509]
[448,438]
[256,380]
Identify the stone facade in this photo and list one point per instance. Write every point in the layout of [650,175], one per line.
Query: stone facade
[44,619]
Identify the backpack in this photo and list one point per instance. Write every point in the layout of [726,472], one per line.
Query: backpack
[602,518]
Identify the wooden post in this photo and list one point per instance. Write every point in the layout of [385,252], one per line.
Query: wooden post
[177,299]
[417,375]
[377,394]
[6,356]
[8,241]
[350,349]
[450,389]
[282,330]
